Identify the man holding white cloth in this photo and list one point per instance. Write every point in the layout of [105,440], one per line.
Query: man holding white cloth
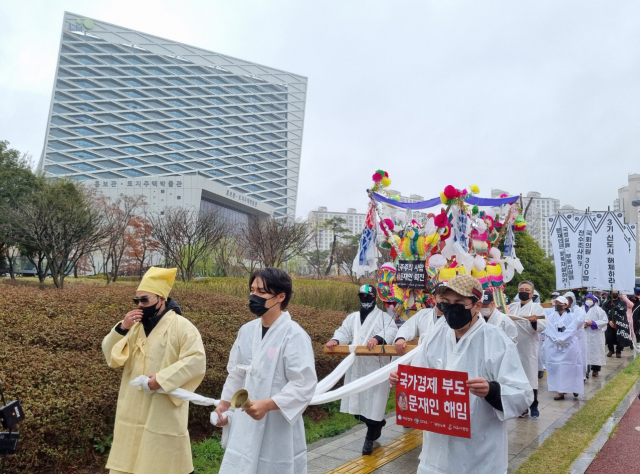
[368,326]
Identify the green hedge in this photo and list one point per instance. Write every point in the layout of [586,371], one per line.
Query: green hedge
[50,357]
[322,294]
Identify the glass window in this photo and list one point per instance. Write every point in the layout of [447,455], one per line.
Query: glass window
[84,167]
[132,116]
[111,48]
[177,135]
[177,146]
[85,154]
[177,103]
[178,114]
[135,94]
[134,139]
[134,105]
[134,173]
[177,156]
[135,60]
[84,143]
[132,161]
[133,128]
[157,71]
[87,107]
[87,60]
[86,96]
[114,60]
[84,131]
[133,71]
[176,167]
[132,150]
[85,119]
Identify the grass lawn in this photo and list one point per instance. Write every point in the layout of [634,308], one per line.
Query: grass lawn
[566,444]
[207,455]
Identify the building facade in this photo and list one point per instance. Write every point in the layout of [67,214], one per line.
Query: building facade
[128,106]
[626,196]
[354,221]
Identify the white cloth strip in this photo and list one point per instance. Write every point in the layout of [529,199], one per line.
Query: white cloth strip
[179,393]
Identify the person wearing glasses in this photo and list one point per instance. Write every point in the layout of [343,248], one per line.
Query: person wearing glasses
[150,433]
[498,386]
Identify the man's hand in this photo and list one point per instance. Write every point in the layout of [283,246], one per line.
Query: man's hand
[612,324]
[400,346]
[533,319]
[393,378]
[131,318]
[587,324]
[371,343]
[331,344]
[478,386]
[259,409]
[222,407]
[153,383]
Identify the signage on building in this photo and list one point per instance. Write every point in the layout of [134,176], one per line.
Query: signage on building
[81,24]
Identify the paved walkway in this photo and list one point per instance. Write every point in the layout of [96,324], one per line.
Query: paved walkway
[402,446]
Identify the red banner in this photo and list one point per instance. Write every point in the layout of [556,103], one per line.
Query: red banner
[433,400]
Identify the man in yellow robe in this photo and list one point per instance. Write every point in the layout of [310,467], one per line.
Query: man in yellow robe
[150,434]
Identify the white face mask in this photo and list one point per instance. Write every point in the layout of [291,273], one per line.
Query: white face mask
[486,312]
[589,303]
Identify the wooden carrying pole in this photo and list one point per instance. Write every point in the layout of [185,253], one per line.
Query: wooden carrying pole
[343,350]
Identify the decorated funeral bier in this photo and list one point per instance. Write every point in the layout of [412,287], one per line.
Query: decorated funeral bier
[432,241]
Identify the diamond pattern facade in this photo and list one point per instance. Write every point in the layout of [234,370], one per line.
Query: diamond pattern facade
[131,105]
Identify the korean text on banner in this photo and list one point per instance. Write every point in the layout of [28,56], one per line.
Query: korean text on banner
[433,400]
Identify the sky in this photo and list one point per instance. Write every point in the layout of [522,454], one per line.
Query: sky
[519,96]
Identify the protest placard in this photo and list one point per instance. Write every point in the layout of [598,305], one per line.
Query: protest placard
[433,400]
[411,274]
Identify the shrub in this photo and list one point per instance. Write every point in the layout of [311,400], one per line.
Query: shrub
[50,357]
[322,294]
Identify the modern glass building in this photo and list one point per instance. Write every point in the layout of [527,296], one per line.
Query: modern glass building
[128,107]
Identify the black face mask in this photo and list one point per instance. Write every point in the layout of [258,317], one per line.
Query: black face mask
[615,297]
[257,305]
[523,295]
[456,315]
[149,311]
[559,307]
[367,303]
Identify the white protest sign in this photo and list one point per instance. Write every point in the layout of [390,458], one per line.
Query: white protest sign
[566,232]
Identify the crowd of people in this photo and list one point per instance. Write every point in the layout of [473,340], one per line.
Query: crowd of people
[273,360]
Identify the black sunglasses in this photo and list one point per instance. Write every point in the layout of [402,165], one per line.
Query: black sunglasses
[143,300]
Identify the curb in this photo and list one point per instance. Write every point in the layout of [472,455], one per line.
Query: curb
[581,464]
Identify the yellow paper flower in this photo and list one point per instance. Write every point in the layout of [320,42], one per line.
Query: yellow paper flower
[474,189]
[386,182]
[443,198]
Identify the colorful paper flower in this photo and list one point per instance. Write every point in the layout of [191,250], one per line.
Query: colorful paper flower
[443,198]
[450,192]
[474,189]
[386,182]
[377,177]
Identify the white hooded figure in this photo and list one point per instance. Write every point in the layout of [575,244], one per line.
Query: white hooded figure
[498,386]
[369,326]
[595,325]
[529,319]
[497,318]
[562,348]
[580,315]
[272,358]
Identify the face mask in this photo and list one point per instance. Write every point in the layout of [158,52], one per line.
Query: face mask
[257,305]
[149,311]
[486,312]
[588,303]
[615,297]
[367,303]
[523,295]
[559,307]
[456,315]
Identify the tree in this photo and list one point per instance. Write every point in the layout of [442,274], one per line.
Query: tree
[314,256]
[345,255]
[335,225]
[537,267]
[272,242]
[140,244]
[117,216]
[187,236]
[38,259]
[16,182]
[62,222]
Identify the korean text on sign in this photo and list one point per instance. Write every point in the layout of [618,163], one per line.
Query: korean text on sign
[433,400]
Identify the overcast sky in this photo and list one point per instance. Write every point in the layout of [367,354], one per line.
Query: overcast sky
[520,96]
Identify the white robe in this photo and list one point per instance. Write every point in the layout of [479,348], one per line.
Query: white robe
[504,322]
[580,315]
[563,354]
[369,403]
[484,351]
[418,325]
[595,338]
[280,366]
[528,337]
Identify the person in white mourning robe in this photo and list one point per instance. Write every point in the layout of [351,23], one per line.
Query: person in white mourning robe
[420,324]
[595,325]
[529,319]
[562,347]
[371,326]
[498,386]
[272,358]
[580,315]
[548,312]
[492,316]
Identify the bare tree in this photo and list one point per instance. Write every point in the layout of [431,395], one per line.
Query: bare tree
[272,242]
[345,255]
[188,236]
[314,256]
[335,226]
[62,222]
[118,217]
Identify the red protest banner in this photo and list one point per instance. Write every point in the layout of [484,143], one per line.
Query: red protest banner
[433,400]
